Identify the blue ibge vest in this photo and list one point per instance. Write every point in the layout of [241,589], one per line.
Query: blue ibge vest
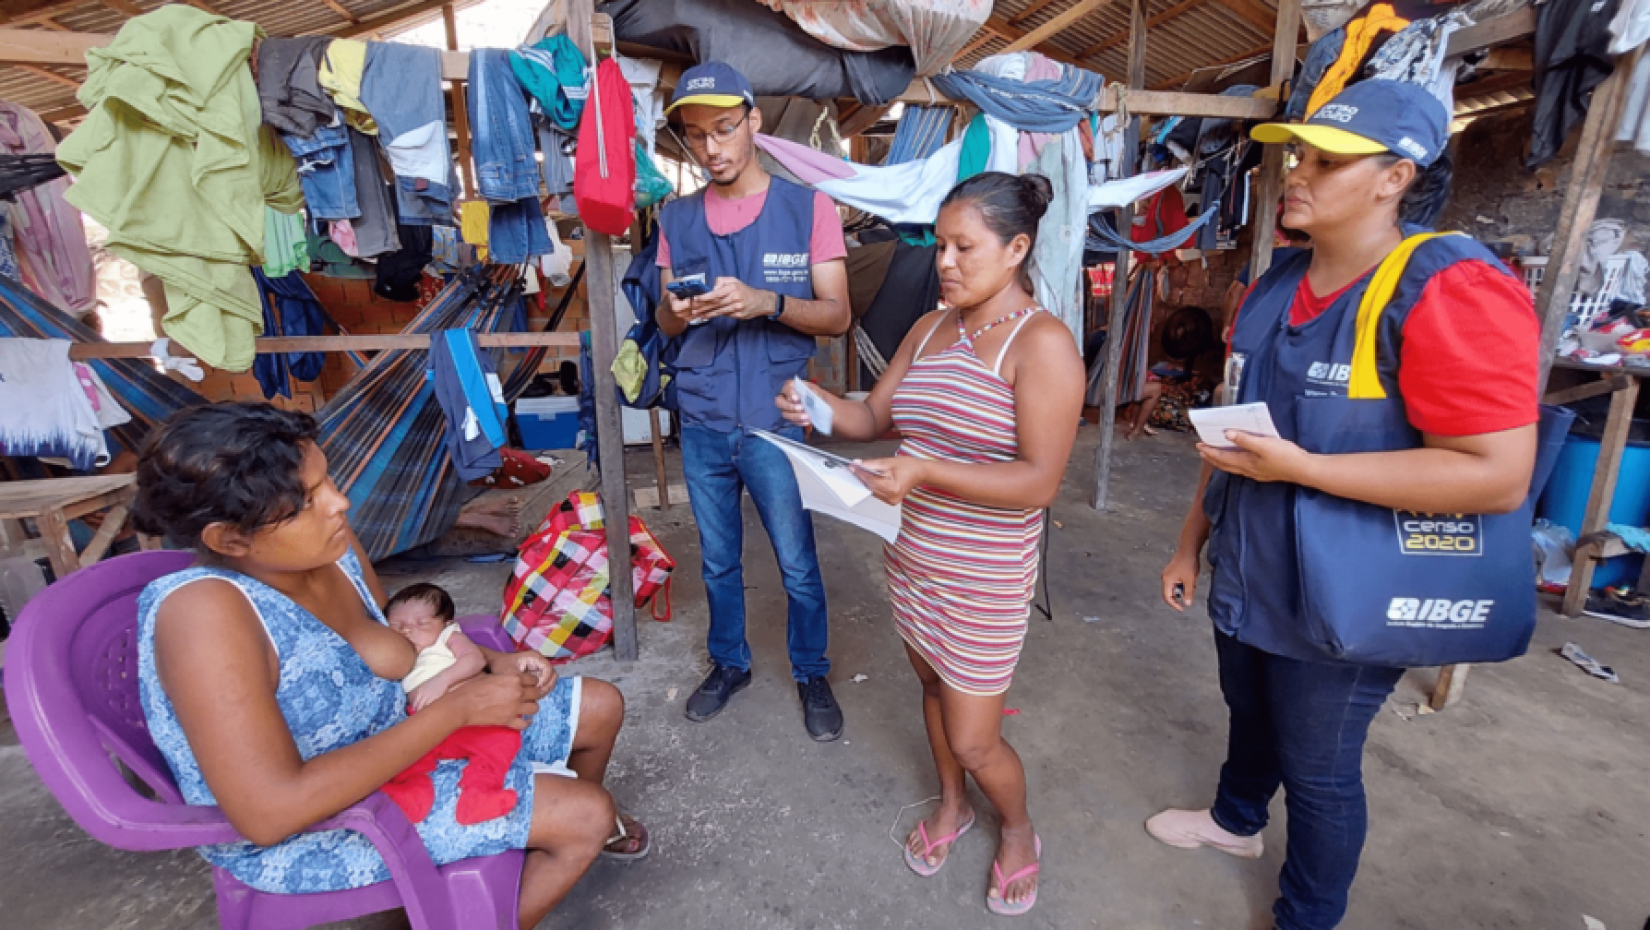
[1311,576]
[729,371]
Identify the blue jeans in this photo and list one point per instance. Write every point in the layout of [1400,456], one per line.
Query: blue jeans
[717,466]
[326,171]
[502,126]
[1301,725]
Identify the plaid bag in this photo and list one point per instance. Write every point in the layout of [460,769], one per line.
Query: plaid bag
[557,601]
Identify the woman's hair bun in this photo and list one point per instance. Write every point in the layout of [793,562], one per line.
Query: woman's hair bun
[1039,192]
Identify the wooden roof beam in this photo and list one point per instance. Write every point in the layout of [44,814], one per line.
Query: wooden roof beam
[1000,28]
[1030,40]
[1122,35]
[341,10]
[123,7]
[1030,11]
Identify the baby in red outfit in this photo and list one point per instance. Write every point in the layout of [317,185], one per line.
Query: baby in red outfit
[424,614]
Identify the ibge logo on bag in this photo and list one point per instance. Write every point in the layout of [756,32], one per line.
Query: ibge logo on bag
[1438,613]
[1439,534]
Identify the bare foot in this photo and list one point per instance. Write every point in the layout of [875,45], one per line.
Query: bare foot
[490,522]
[498,506]
[1017,850]
[941,823]
[1148,431]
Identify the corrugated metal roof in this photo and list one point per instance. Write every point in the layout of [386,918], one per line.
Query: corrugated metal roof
[1197,37]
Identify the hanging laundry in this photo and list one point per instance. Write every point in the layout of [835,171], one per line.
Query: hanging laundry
[507,174]
[343,235]
[172,160]
[557,266]
[375,228]
[472,223]
[285,247]
[1057,261]
[401,87]
[935,30]
[108,411]
[399,272]
[8,255]
[554,74]
[919,133]
[290,309]
[648,100]
[48,238]
[342,66]
[1417,55]
[1320,57]
[907,193]
[47,411]
[1361,35]
[1122,192]
[472,401]
[1053,105]
[1572,56]
[289,86]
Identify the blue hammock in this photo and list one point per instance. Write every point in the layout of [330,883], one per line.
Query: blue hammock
[149,396]
[385,436]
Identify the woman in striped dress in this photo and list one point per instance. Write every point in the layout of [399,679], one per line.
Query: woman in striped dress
[986,392]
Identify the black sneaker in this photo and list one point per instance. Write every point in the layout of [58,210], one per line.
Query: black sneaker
[720,685]
[820,712]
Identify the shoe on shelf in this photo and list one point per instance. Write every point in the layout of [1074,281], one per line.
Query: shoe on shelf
[1192,829]
[718,688]
[820,713]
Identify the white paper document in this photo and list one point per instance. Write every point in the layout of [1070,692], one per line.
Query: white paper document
[1213,423]
[819,412]
[829,486]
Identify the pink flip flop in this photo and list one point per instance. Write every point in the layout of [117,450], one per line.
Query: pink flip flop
[1000,905]
[919,864]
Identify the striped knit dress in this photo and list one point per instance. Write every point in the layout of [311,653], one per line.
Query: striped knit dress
[960,574]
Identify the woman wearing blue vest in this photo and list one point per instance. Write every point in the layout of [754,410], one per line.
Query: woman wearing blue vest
[1456,360]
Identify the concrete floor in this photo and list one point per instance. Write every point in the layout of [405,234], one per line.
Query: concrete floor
[1523,807]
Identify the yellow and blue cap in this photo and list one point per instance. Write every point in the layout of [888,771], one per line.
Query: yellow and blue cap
[712,84]
[1370,118]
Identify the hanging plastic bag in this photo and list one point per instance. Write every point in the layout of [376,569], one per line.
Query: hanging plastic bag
[651,185]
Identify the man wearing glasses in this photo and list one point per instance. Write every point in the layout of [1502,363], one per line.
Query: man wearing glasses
[753,269]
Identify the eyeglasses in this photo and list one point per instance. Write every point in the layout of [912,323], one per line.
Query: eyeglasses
[722,134]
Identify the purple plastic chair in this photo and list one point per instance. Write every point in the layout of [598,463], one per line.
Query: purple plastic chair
[72,687]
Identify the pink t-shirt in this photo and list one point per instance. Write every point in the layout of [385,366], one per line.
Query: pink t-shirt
[726,217]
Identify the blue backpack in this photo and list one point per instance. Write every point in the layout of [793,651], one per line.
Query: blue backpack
[644,368]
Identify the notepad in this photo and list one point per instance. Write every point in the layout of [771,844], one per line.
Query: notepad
[829,486]
[818,410]
[1213,423]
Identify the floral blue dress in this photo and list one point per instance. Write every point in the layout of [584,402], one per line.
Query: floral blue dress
[330,699]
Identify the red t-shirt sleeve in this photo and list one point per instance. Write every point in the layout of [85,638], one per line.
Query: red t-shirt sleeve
[1469,358]
[826,243]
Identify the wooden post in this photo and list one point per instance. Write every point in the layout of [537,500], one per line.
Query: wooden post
[461,110]
[604,346]
[1119,300]
[659,474]
[1272,165]
[1575,216]
[1616,427]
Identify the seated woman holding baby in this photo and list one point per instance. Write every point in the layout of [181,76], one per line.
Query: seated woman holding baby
[272,683]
